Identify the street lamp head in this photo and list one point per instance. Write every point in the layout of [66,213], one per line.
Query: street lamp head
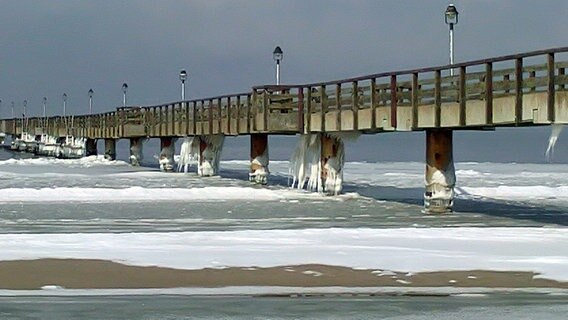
[44,99]
[278,55]
[182,75]
[91,93]
[451,15]
[65,97]
[25,103]
[124,87]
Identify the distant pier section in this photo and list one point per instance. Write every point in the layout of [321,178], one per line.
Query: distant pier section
[527,89]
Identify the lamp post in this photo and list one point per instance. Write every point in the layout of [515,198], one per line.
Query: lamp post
[182,78]
[278,55]
[91,101]
[451,18]
[24,121]
[44,106]
[13,115]
[64,104]
[124,90]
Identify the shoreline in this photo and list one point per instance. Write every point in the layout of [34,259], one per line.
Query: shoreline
[60,275]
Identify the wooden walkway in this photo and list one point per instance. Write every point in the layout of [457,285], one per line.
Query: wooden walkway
[525,89]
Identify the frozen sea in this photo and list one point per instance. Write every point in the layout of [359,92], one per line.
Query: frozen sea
[109,210]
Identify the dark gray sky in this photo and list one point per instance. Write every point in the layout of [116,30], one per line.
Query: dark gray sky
[56,46]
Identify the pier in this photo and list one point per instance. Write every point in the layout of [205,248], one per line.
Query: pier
[527,89]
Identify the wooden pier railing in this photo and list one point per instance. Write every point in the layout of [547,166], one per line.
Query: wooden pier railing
[515,90]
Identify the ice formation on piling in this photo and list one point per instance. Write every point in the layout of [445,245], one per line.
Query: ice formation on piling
[260,165]
[167,162]
[308,169]
[72,147]
[188,154]
[203,150]
[210,148]
[136,151]
[555,132]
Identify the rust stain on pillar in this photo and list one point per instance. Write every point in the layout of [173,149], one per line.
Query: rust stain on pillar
[165,142]
[439,153]
[258,145]
[329,148]
[202,147]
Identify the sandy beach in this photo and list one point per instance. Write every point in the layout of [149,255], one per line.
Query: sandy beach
[101,274]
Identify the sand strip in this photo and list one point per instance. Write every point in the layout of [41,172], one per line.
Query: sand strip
[101,274]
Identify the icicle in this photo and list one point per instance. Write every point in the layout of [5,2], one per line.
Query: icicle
[307,155]
[189,153]
[554,133]
[209,158]
[260,174]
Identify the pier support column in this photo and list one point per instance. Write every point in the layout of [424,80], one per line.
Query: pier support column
[167,162]
[210,148]
[440,172]
[259,158]
[136,151]
[110,149]
[332,153]
[91,147]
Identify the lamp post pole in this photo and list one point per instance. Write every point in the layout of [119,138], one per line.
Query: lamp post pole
[451,18]
[13,115]
[182,78]
[64,104]
[91,101]
[44,106]
[277,55]
[124,90]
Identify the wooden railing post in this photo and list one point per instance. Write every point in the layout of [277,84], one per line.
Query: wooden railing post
[551,90]
[394,101]
[463,96]
[489,93]
[518,90]
[373,103]
[415,100]
[228,115]
[338,106]
[249,106]
[355,105]
[437,98]
[323,101]
[309,111]
[301,110]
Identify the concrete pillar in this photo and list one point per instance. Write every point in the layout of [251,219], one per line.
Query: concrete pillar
[440,173]
[136,151]
[332,154]
[91,147]
[167,151]
[110,149]
[259,158]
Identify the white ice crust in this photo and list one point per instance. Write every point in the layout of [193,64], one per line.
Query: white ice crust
[260,175]
[540,250]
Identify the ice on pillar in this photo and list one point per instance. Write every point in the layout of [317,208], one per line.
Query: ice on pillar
[317,163]
[110,149]
[136,151]
[259,158]
[440,172]
[189,153]
[332,162]
[167,162]
[210,148]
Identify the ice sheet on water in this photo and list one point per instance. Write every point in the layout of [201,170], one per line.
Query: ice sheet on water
[541,250]
[137,194]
